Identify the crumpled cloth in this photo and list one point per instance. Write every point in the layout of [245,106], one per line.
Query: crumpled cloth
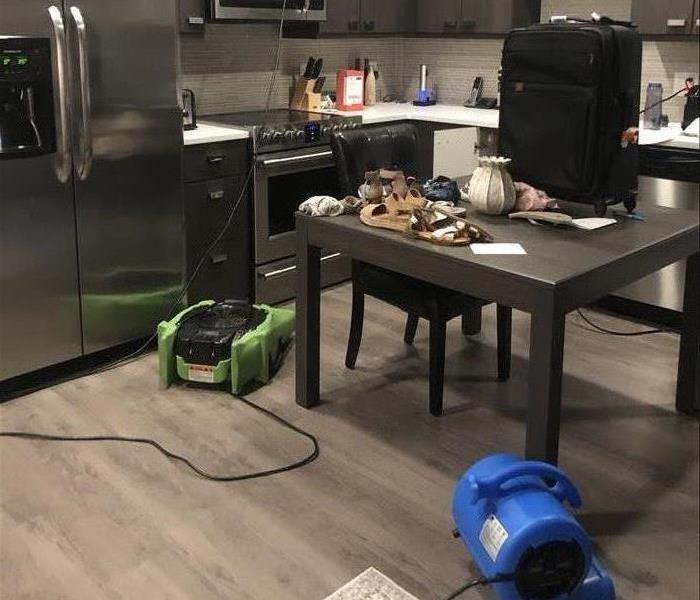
[528,198]
[327,206]
[443,189]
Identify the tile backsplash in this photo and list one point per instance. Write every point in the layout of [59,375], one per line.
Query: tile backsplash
[230,66]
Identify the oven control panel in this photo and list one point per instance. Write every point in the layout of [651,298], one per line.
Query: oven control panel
[313,133]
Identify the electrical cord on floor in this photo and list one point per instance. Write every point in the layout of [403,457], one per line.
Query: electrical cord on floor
[620,333]
[312,456]
[478,582]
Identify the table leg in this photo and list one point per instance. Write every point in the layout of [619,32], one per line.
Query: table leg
[547,326]
[688,380]
[308,319]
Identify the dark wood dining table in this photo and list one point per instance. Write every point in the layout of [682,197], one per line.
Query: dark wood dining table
[564,269]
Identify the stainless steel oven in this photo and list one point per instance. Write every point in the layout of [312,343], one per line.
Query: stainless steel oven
[267,10]
[282,181]
[293,161]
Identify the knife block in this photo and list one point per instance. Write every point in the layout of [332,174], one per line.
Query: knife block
[304,97]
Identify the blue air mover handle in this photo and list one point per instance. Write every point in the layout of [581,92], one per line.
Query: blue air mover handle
[491,487]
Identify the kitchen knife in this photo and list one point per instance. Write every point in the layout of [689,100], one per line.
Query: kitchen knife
[318,86]
[318,67]
[309,68]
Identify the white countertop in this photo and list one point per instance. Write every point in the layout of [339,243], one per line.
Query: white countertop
[671,136]
[440,113]
[208,133]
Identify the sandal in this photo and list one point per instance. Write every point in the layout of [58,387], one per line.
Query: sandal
[444,229]
[374,190]
[399,186]
[386,215]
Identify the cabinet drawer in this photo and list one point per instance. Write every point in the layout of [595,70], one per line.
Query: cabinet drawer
[208,205]
[212,161]
[224,274]
[277,282]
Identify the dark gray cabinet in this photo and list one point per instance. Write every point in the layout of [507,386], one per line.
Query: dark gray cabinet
[475,16]
[342,16]
[664,17]
[483,16]
[438,16]
[191,15]
[368,16]
[215,177]
[387,16]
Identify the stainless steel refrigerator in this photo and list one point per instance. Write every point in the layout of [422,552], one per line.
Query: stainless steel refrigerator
[91,211]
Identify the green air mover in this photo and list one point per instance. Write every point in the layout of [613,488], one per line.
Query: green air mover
[217,342]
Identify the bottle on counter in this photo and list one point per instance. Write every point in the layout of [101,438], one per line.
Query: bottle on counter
[370,85]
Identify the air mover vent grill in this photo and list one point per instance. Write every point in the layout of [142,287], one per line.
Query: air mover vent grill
[550,570]
[205,337]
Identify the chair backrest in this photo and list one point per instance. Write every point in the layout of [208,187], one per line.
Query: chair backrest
[383,147]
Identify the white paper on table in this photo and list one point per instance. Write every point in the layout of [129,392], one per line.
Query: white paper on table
[497,249]
[593,223]
[693,130]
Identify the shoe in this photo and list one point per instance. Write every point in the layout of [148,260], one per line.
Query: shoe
[399,186]
[374,190]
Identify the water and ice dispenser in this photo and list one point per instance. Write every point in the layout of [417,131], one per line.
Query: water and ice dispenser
[27,125]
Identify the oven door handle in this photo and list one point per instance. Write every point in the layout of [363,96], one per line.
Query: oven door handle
[279,272]
[294,159]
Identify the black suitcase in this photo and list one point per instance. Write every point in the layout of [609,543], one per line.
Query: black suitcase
[570,110]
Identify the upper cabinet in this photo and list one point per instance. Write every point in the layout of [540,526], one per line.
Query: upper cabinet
[387,16]
[368,16]
[438,16]
[475,16]
[667,17]
[342,16]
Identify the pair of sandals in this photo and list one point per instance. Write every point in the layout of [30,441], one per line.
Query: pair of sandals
[415,216]
[382,183]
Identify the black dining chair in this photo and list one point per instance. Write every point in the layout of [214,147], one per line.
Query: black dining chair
[396,147]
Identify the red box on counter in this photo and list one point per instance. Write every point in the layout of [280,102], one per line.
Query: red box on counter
[350,90]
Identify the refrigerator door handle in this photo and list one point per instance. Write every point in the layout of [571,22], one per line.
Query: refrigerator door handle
[84,165]
[63,154]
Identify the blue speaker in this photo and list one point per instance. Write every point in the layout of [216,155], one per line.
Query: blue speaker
[510,514]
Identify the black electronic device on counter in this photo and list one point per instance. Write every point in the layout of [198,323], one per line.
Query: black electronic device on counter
[475,93]
[189,110]
[27,124]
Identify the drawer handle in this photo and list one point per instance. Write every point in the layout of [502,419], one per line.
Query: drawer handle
[195,20]
[675,23]
[217,259]
[217,195]
[215,159]
[279,272]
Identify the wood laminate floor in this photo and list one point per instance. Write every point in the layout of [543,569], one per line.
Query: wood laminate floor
[93,521]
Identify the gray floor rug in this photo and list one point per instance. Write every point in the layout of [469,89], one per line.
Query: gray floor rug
[371,585]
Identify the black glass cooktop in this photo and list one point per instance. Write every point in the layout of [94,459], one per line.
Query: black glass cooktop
[271,118]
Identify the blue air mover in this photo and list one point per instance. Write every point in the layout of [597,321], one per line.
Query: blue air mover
[510,514]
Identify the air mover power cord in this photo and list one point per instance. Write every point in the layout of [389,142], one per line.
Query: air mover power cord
[478,582]
[600,329]
[312,456]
